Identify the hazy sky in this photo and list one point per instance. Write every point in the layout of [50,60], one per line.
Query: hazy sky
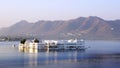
[12,11]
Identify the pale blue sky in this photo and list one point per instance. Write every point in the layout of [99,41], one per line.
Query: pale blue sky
[12,11]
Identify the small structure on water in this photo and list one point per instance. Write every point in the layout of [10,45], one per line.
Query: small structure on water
[72,44]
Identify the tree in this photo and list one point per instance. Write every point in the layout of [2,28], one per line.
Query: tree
[23,41]
[36,40]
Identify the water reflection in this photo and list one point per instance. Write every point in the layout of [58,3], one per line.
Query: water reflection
[28,50]
[32,60]
[34,57]
[77,58]
[66,56]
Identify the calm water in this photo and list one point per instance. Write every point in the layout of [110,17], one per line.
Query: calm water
[100,54]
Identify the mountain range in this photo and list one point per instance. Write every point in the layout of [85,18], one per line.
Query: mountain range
[91,27]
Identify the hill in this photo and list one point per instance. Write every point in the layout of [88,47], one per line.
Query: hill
[83,27]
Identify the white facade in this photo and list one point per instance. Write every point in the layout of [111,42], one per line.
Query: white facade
[54,44]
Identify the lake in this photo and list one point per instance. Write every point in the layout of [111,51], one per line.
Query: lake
[100,54]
